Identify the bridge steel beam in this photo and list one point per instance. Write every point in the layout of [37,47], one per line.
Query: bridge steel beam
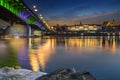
[18,8]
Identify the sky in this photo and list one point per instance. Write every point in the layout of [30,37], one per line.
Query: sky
[69,12]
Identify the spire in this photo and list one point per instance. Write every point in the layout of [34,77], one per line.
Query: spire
[80,23]
[113,22]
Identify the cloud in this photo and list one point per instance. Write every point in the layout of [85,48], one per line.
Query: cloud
[97,18]
[67,15]
[74,11]
[56,18]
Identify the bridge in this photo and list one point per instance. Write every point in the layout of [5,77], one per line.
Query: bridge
[16,18]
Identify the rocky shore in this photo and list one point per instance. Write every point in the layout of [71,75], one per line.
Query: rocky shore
[19,74]
[67,74]
[60,74]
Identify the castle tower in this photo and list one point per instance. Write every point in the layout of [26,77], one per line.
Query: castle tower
[113,22]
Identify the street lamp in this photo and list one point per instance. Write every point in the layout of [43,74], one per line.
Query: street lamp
[40,16]
[35,10]
[34,6]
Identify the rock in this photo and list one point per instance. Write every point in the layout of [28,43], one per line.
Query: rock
[67,74]
[76,75]
[62,71]
[19,74]
[87,76]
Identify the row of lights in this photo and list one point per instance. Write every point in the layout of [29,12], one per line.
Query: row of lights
[35,8]
[40,16]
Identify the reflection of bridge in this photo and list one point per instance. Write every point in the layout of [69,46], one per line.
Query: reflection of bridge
[15,13]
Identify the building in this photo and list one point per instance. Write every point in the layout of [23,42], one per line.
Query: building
[85,28]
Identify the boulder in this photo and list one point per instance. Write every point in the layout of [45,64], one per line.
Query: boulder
[67,74]
[19,74]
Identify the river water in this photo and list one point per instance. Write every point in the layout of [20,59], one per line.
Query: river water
[98,55]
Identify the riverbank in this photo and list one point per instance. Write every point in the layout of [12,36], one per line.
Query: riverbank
[60,74]
[82,34]
[67,74]
[19,74]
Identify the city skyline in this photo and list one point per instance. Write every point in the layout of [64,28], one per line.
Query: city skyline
[70,12]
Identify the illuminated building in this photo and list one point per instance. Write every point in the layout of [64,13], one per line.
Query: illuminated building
[87,28]
[109,24]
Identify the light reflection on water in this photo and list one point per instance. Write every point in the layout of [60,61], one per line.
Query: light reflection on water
[99,55]
[40,54]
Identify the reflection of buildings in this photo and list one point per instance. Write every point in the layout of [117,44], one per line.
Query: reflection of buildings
[3,47]
[83,43]
[79,44]
[13,52]
[39,55]
[60,41]
[17,44]
[110,43]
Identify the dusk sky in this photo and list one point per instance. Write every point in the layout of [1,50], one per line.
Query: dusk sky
[73,11]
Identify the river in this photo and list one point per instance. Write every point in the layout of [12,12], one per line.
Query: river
[97,54]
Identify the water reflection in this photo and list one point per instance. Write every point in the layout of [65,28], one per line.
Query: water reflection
[17,44]
[39,54]
[95,54]
[9,51]
[110,43]
[3,48]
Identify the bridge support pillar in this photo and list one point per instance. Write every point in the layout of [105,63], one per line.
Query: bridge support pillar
[29,31]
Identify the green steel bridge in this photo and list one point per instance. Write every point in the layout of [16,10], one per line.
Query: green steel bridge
[12,10]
